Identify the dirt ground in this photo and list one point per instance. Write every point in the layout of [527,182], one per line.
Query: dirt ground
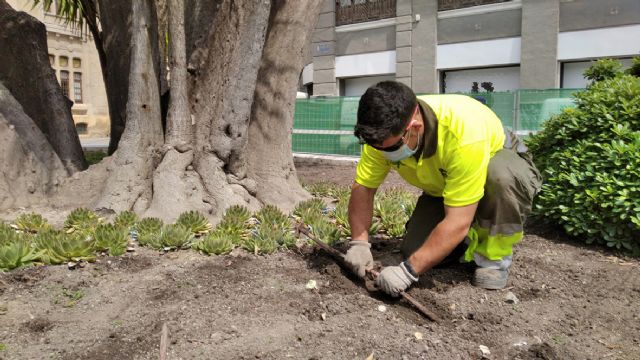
[573,302]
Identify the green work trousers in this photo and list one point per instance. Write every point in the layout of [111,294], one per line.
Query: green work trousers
[512,182]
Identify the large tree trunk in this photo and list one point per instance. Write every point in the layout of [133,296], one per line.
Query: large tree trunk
[227,139]
[270,160]
[129,181]
[30,169]
[115,20]
[27,74]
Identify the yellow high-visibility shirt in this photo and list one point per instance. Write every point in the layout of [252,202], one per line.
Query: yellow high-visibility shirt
[468,134]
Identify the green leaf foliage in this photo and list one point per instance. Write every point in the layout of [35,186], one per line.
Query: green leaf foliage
[270,214]
[603,69]
[31,223]
[175,237]
[111,238]
[126,219]
[195,222]
[590,158]
[82,220]
[263,239]
[394,207]
[58,247]
[7,234]
[17,253]
[215,243]
[149,232]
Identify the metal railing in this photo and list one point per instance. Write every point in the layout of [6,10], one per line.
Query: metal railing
[444,5]
[357,11]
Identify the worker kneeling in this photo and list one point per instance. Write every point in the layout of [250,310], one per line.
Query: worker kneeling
[478,184]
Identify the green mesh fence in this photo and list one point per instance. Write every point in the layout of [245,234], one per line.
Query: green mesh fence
[325,125]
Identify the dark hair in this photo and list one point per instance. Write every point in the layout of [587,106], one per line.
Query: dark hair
[383,111]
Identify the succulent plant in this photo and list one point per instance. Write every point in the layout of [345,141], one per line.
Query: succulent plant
[341,214]
[126,219]
[31,223]
[263,240]
[270,214]
[195,222]
[234,223]
[149,225]
[150,239]
[7,234]
[111,238]
[81,220]
[376,226]
[341,193]
[314,205]
[394,207]
[215,244]
[237,213]
[320,188]
[17,253]
[175,237]
[325,231]
[59,247]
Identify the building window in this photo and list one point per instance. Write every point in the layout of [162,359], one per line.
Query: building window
[63,61]
[52,59]
[77,63]
[357,11]
[77,87]
[81,128]
[444,5]
[64,82]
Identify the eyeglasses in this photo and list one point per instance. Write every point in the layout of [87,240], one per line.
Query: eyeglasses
[400,142]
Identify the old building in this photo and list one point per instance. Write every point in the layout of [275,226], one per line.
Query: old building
[74,58]
[447,45]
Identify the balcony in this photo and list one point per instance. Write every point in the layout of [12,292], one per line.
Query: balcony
[444,5]
[358,11]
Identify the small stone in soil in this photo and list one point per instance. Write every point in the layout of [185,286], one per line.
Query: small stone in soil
[511,298]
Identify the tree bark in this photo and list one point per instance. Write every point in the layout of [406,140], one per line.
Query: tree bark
[27,74]
[209,159]
[129,182]
[270,159]
[30,169]
[179,117]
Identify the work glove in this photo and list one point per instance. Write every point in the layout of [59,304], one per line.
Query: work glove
[359,257]
[395,279]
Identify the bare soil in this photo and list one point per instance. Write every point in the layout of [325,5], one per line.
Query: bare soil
[574,302]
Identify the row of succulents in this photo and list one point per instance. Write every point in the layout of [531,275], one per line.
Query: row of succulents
[30,239]
[392,209]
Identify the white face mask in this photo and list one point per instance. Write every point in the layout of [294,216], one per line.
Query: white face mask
[401,153]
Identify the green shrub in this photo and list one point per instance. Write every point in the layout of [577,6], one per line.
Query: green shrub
[602,70]
[635,67]
[590,158]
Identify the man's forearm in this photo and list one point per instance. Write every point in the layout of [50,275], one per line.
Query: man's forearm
[360,211]
[440,243]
